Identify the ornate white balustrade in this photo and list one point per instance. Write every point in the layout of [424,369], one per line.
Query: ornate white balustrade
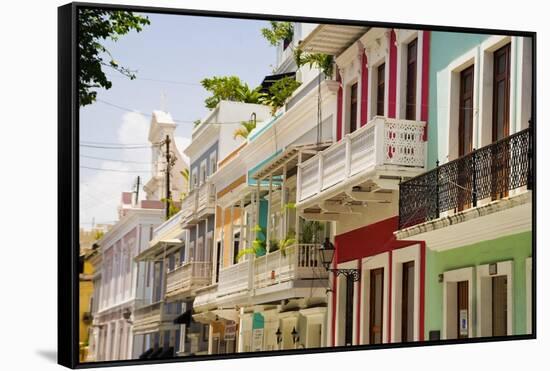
[382,143]
[188,277]
[149,317]
[297,261]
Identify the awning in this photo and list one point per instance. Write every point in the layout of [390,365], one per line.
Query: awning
[271,79]
[289,157]
[184,318]
[205,317]
[230,314]
[332,39]
[156,247]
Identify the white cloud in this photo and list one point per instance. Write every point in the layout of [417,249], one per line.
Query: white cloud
[100,191]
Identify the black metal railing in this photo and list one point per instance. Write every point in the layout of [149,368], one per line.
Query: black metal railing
[488,172]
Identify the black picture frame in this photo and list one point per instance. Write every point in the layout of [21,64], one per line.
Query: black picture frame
[68,183]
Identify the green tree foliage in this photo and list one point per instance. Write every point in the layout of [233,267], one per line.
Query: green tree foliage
[319,60]
[279,31]
[229,88]
[96,26]
[279,92]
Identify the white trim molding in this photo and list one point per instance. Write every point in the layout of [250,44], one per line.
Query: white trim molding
[341,301]
[450,279]
[484,297]
[369,263]
[400,256]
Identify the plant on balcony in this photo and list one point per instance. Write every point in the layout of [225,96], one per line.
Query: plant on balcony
[244,130]
[288,206]
[279,92]
[173,207]
[288,241]
[323,62]
[258,247]
[229,88]
[311,231]
[273,245]
[196,123]
[279,32]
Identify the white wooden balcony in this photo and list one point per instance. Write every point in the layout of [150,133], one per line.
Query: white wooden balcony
[235,279]
[205,198]
[182,281]
[299,261]
[150,317]
[382,149]
[189,206]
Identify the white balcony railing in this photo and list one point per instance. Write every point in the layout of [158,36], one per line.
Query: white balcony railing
[206,196]
[382,142]
[300,261]
[189,205]
[188,276]
[234,278]
[168,225]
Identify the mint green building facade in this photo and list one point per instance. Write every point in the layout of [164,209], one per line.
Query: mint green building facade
[478,267]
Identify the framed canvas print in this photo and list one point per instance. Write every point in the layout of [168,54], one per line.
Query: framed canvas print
[244,185]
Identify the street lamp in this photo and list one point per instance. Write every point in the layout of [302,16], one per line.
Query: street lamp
[295,336]
[279,337]
[327,255]
[127,314]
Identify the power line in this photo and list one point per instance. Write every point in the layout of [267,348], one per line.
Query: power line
[114,144]
[114,160]
[175,120]
[116,147]
[115,170]
[162,80]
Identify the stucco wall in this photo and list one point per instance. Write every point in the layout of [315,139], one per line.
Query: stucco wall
[516,247]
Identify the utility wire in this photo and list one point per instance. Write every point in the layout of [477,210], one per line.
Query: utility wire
[114,160]
[175,120]
[115,170]
[114,147]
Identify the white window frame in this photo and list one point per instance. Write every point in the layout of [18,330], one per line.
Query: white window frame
[453,74]
[203,170]
[194,178]
[504,268]
[450,278]
[373,262]
[403,38]
[341,280]
[376,43]
[399,257]
[213,163]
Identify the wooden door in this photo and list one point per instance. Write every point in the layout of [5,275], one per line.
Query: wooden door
[376,325]
[499,306]
[407,302]
[501,121]
[462,310]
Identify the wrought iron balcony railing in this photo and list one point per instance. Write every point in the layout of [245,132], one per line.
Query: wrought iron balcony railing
[488,173]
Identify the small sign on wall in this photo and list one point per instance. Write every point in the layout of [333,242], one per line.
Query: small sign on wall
[257,339]
[463,322]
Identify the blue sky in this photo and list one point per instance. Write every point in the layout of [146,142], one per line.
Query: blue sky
[181,49]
